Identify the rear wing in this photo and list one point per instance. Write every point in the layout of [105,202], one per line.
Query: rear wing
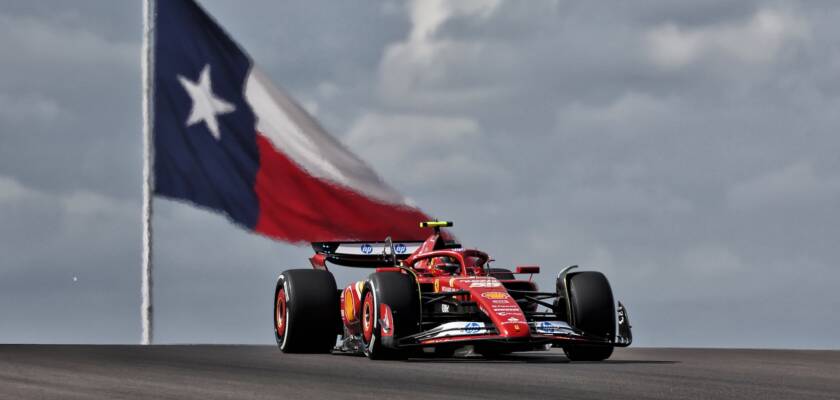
[364,254]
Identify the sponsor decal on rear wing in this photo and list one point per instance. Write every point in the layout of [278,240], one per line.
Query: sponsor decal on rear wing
[365,254]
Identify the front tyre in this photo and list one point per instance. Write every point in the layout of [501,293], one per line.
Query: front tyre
[390,310]
[593,312]
[305,311]
[593,353]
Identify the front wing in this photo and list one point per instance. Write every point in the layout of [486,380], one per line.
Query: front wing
[542,333]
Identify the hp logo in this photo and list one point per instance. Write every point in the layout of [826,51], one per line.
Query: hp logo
[472,328]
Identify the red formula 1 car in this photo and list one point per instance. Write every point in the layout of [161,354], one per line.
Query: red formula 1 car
[435,297]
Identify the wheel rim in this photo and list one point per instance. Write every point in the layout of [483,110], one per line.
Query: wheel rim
[280,313]
[367,318]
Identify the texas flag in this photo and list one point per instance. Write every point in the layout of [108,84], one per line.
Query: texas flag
[225,138]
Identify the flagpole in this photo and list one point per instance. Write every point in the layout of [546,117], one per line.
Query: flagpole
[146,310]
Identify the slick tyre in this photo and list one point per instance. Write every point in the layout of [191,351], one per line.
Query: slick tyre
[390,310]
[593,312]
[305,311]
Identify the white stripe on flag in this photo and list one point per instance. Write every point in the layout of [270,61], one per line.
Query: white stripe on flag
[292,131]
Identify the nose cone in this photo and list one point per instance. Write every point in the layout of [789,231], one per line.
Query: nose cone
[514,329]
[497,303]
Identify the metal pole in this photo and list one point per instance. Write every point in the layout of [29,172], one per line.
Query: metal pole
[146,309]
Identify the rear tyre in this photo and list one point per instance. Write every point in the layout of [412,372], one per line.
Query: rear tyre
[593,312]
[390,310]
[306,309]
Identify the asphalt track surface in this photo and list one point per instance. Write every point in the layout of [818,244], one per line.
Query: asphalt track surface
[245,372]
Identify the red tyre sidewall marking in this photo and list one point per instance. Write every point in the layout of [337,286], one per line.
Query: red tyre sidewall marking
[368,319]
[280,312]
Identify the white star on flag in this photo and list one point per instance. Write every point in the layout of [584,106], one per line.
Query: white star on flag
[205,105]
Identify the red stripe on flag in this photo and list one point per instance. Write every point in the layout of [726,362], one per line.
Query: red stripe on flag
[297,207]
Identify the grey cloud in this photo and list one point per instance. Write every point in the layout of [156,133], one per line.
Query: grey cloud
[795,186]
[79,86]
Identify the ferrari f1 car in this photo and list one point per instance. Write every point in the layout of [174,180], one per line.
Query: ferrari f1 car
[436,297]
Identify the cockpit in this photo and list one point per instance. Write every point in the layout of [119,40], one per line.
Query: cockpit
[453,262]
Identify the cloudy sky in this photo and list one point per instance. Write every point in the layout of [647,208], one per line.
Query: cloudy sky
[689,151]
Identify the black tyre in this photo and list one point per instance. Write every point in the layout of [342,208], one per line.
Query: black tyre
[593,312]
[400,294]
[502,274]
[306,308]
